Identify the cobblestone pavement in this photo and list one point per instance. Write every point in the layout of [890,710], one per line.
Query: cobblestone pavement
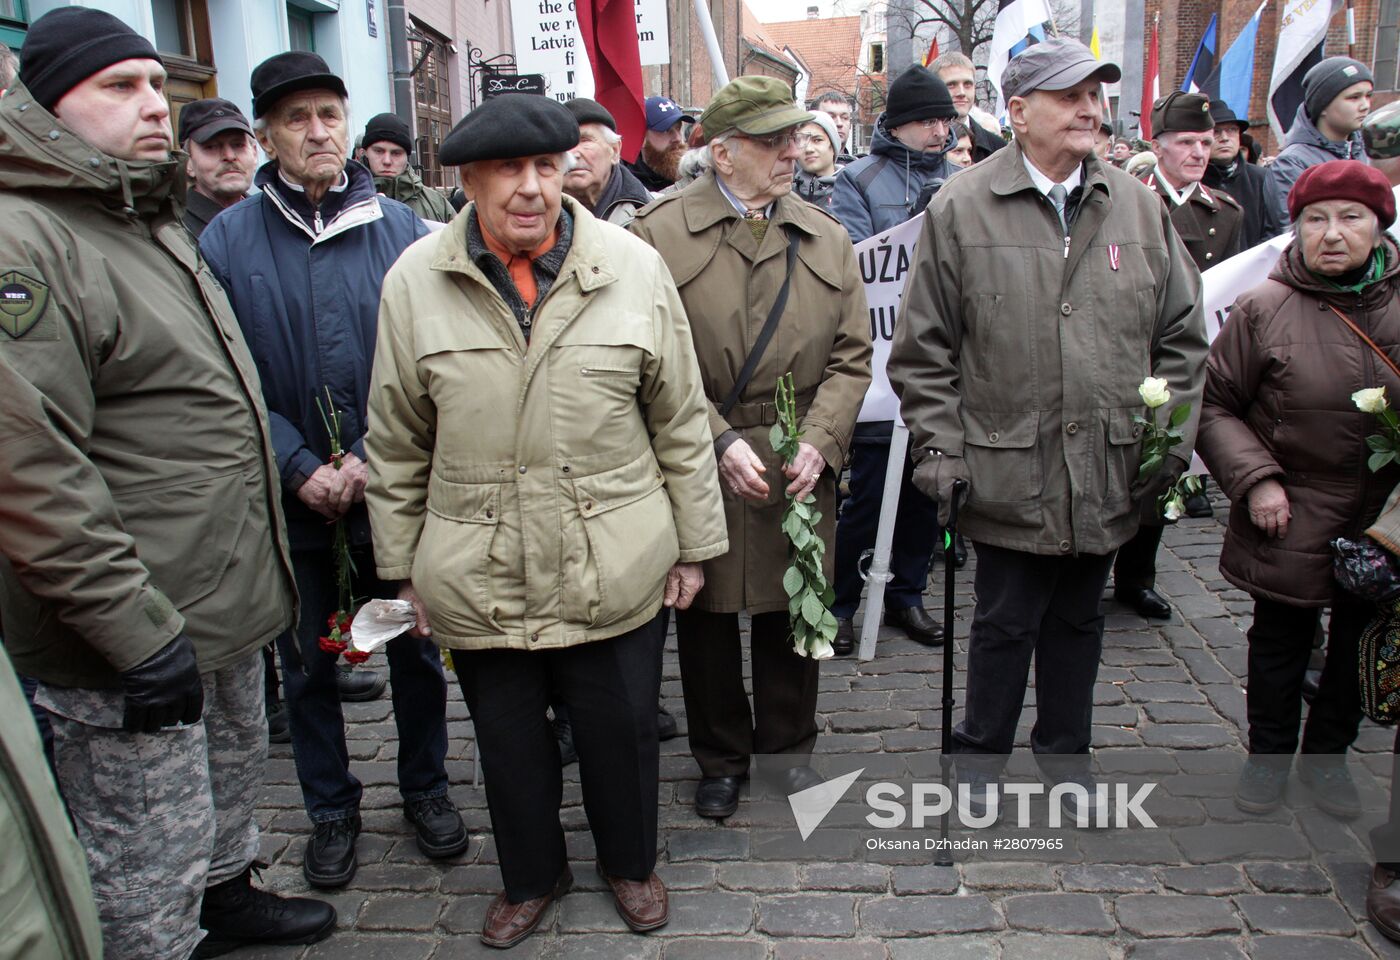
[1176,684]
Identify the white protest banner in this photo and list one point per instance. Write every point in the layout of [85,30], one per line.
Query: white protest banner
[547,38]
[1222,284]
[884,262]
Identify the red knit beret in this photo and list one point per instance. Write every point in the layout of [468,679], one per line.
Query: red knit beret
[1344,180]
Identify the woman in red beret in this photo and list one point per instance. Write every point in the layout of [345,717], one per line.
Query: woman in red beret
[1284,437]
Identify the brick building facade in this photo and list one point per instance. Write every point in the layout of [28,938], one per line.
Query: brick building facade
[1183,21]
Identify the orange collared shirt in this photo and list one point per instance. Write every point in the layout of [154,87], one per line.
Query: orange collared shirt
[519,267]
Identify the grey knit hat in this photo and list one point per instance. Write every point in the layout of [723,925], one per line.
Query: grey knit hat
[1326,80]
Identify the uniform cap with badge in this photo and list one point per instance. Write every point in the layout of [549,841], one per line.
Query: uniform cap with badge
[1182,112]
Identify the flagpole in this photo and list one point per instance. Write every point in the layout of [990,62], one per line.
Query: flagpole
[707,30]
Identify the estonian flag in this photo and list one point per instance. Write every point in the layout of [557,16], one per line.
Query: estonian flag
[1233,80]
[1019,24]
[1202,64]
[1303,28]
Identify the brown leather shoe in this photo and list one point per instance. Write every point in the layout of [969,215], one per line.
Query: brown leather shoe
[508,923]
[1383,902]
[642,904]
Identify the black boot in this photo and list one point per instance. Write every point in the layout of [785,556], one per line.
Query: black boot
[236,914]
[666,726]
[358,686]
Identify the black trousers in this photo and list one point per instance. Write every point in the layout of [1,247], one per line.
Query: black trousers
[1046,608]
[1136,564]
[724,734]
[610,688]
[1280,644]
[1385,838]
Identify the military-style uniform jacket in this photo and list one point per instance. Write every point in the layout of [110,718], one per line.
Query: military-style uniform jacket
[728,282]
[149,491]
[1210,222]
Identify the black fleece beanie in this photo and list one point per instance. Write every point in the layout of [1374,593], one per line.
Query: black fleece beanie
[387,126]
[67,45]
[917,94]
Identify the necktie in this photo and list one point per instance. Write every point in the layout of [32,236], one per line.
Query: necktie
[1058,194]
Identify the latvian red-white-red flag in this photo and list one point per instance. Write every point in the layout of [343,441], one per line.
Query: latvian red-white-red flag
[609,32]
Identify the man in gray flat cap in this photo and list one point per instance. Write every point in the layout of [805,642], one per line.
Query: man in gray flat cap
[1047,286]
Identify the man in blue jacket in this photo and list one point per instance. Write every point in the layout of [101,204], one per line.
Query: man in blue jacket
[302,262]
[907,162]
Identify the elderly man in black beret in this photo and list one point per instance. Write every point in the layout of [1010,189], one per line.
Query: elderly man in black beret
[570,494]
[598,178]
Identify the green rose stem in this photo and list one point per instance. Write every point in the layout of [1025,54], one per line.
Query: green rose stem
[1384,446]
[338,640]
[809,595]
[1157,442]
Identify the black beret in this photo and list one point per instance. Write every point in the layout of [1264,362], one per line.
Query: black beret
[511,125]
[591,111]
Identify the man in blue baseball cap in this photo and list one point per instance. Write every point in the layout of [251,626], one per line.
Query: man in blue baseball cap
[658,164]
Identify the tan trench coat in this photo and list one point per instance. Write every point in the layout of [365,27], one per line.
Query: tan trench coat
[537,496]
[728,283]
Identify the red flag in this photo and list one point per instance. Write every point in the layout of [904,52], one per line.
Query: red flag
[1150,87]
[932,54]
[609,30]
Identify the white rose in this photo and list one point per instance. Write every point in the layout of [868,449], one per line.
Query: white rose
[1154,392]
[1370,401]
[1175,508]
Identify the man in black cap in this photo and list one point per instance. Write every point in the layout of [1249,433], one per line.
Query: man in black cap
[387,149]
[302,262]
[541,544]
[1211,225]
[599,179]
[1231,171]
[1327,126]
[152,566]
[223,155]
[908,157]
[1047,284]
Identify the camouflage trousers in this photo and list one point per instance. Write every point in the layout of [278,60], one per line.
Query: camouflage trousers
[162,815]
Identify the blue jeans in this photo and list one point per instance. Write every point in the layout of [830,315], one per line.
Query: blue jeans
[329,789]
[916,531]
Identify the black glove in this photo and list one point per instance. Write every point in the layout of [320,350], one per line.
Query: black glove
[164,689]
[1154,486]
[935,475]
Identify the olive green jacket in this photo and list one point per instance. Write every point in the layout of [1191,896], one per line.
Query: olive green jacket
[45,897]
[1022,351]
[408,188]
[537,494]
[139,496]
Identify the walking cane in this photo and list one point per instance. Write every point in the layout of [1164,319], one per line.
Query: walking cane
[945,757]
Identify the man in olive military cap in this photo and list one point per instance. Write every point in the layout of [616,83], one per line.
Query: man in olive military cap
[1211,224]
[734,240]
[541,544]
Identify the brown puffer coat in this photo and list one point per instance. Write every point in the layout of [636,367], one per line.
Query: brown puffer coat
[1278,405]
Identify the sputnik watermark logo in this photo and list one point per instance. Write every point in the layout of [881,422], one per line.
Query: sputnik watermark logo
[811,806]
[927,802]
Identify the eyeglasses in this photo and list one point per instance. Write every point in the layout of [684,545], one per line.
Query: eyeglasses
[932,122]
[775,141]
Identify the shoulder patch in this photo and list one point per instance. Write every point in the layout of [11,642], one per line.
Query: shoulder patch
[23,300]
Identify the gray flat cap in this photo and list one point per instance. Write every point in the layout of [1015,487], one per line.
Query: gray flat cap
[1054,64]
